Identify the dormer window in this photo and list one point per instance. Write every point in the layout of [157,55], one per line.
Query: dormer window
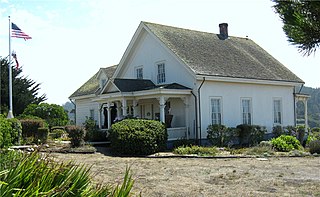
[139,72]
[161,77]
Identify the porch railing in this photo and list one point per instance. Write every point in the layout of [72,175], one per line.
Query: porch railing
[177,133]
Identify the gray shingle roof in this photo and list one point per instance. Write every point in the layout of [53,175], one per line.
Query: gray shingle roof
[235,57]
[92,85]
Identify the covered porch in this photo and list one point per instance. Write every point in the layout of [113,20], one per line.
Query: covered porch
[168,104]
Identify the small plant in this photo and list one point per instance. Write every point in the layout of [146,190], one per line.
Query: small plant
[314,147]
[220,135]
[314,135]
[76,135]
[197,150]
[260,151]
[183,142]
[286,143]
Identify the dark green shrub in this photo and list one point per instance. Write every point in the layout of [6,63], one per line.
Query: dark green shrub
[300,132]
[250,134]
[42,134]
[290,130]
[138,137]
[286,143]
[93,133]
[57,133]
[30,127]
[313,136]
[5,132]
[314,147]
[220,135]
[16,133]
[76,135]
[277,131]
[315,129]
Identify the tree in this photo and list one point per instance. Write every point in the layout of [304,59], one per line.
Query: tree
[54,114]
[301,23]
[24,90]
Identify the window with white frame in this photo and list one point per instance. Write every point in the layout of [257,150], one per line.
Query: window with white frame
[139,73]
[246,111]
[216,110]
[277,112]
[161,77]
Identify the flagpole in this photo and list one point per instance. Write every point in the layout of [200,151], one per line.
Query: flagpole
[10,113]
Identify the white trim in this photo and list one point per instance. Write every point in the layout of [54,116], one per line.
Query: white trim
[246,80]
[82,97]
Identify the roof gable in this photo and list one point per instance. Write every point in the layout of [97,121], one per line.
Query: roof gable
[206,54]
[92,85]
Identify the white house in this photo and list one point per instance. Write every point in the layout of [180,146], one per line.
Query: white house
[190,79]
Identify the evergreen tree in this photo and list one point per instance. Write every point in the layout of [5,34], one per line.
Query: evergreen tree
[24,90]
[301,23]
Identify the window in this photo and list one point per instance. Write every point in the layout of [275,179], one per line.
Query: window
[246,111]
[277,115]
[161,78]
[139,73]
[92,114]
[216,115]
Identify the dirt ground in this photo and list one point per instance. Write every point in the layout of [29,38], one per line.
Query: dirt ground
[275,176]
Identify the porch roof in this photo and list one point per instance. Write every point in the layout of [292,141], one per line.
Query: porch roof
[132,85]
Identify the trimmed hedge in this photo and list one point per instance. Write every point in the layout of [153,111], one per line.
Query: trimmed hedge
[314,147]
[138,137]
[42,134]
[31,126]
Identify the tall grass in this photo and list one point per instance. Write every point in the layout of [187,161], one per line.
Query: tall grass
[34,175]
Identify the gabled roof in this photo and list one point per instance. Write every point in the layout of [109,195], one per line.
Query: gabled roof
[205,54]
[92,85]
[131,85]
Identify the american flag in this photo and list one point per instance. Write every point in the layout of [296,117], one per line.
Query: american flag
[18,33]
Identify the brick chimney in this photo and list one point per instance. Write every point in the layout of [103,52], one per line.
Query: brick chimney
[223,31]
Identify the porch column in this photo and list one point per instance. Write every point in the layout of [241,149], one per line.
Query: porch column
[135,108]
[99,116]
[118,110]
[186,110]
[124,107]
[109,115]
[162,103]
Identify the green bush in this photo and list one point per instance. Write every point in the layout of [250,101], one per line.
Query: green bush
[30,127]
[57,133]
[16,133]
[76,135]
[313,135]
[277,131]
[93,133]
[5,132]
[286,143]
[42,134]
[314,147]
[34,175]
[197,150]
[250,134]
[220,135]
[138,137]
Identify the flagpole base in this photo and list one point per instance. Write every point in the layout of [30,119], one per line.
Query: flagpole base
[10,115]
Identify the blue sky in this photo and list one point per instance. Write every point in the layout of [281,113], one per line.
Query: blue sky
[72,39]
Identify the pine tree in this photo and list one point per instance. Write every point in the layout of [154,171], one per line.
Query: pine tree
[24,91]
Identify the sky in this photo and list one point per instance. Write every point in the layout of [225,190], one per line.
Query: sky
[72,39]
